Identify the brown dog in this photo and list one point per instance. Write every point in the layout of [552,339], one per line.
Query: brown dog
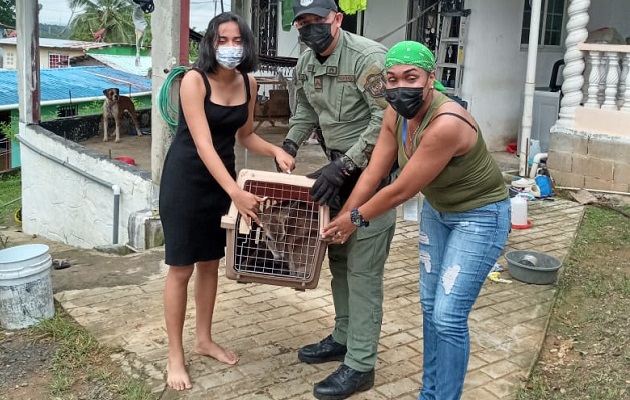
[114,106]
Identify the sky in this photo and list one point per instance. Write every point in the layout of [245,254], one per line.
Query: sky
[57,12]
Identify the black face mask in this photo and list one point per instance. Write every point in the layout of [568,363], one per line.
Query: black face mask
[406,101]
[317,36]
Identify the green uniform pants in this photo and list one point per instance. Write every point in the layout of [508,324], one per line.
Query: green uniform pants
[357,288]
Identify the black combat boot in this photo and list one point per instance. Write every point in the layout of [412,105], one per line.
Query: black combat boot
[343,383]
[324,351]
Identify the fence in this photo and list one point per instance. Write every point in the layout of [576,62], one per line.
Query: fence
[5,154]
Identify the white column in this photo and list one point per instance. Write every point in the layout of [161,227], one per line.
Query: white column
[595,76]
[601,85]
[623,86]
[612,80]
[573,62]
[626,103]
[530,83]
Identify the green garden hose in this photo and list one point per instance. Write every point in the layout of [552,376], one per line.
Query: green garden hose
[169,112]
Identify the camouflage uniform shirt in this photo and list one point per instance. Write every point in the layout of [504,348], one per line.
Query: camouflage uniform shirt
[345,95]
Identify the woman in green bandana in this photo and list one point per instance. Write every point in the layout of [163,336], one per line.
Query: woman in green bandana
[466,211]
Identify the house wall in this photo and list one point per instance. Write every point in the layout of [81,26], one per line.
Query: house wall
[495,67]
[383,16]
[44,52]
[495,62]
[610,13]
[287,41]
[61,204]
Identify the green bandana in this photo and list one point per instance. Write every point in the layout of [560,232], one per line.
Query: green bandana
[412,53]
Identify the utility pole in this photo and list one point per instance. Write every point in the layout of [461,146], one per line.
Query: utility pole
[27,23]
[170,36]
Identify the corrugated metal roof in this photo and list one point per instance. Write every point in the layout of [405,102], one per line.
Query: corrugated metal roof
[60,83]
[124,63]
[60,43]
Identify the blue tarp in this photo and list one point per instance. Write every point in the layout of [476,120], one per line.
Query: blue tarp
[75,82]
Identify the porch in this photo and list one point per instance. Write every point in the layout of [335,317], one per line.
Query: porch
[589,146]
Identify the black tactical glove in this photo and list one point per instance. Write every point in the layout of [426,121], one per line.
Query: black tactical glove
[329,180]
[291,148]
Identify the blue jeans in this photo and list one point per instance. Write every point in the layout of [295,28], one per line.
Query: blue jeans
[457,251]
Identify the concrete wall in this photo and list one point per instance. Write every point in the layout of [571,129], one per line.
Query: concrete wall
[383,16]
[589,160]
[287,41]
[61,204]
[610,13]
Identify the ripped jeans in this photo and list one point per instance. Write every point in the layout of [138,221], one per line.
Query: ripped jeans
[457,251]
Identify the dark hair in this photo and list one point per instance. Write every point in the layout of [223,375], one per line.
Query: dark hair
[207,60]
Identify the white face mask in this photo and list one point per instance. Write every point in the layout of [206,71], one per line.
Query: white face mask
[229,57]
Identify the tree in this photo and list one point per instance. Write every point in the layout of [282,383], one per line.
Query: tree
[7,12]
[112,15]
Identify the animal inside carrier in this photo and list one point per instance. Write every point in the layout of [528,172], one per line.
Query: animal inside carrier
[286,249]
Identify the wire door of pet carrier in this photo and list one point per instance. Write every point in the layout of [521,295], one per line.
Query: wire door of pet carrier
[452,19]
[286,249]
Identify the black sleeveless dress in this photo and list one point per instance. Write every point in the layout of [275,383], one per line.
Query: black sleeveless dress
[191,201]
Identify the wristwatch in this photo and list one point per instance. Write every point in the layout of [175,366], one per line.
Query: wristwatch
[357,219]
[348,165]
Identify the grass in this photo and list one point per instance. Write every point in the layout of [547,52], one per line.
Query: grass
[10,191]
[81,361]
[586,354]
[10,202]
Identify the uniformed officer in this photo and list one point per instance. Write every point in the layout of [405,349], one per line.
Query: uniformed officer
[341,88]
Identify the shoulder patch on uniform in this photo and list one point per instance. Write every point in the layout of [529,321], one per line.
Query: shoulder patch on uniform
[373,81]
[375,85]
[345,78]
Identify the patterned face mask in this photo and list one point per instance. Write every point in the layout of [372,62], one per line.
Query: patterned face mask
[229,57]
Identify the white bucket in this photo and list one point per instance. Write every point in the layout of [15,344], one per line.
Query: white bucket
[26,294]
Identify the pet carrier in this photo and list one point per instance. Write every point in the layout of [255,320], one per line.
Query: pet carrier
[286,248]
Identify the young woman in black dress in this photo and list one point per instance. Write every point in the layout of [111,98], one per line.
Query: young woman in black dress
[198,181]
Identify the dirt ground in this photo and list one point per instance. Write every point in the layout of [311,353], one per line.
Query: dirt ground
[586,354]
[25,365]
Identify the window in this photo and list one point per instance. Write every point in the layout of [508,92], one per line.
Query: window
[10,59]
[264,25]
[58,60]
[551,23]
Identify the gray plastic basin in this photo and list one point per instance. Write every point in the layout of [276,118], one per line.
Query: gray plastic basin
[544,272]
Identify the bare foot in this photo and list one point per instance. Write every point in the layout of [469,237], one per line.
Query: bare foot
[176,376]
[211,349]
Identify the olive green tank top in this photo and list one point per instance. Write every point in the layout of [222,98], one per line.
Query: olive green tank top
[469,181]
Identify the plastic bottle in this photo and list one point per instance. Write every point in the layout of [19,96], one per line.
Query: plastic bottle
[519,212]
